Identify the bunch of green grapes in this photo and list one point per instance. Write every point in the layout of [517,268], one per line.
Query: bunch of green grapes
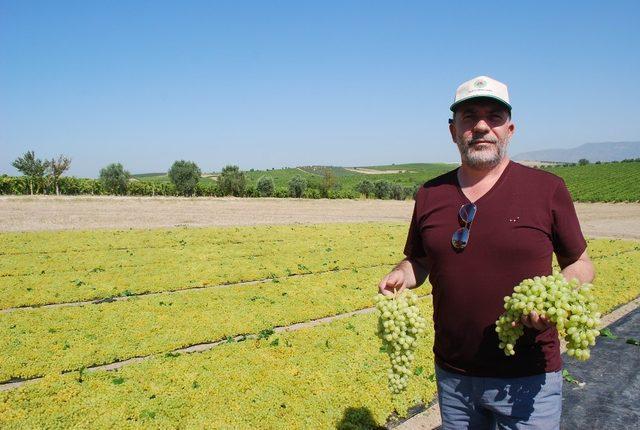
[568,305]
[399,325]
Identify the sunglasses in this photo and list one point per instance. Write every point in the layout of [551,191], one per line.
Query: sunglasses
[460,237]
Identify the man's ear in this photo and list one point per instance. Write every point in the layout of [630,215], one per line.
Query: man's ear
[512,129]
[452,130]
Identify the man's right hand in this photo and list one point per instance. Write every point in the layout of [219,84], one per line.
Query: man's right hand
[407,274]
[393,282]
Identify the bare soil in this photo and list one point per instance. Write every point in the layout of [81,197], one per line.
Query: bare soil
[374,171]
[26,213]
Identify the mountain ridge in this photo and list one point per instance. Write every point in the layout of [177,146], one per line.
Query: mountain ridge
[593,151]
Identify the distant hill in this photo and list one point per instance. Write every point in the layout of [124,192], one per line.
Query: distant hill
[604,151]
[347,178]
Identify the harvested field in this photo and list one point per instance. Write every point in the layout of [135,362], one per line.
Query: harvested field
[25,213]
[375,171]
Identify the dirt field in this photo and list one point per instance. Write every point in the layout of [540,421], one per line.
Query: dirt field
[24,213]
[374,171]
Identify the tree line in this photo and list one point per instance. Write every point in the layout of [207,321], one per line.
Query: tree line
[45,176]
[40,173]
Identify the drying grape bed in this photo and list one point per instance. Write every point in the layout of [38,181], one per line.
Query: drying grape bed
[166,289]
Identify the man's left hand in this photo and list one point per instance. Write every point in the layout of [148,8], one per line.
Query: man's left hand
[533,320]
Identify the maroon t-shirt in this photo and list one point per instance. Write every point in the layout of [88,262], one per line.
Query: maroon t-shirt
[520,222]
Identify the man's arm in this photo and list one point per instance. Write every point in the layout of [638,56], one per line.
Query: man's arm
[582,268]
[409,273]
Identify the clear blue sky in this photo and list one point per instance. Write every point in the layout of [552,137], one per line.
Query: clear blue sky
[283,83]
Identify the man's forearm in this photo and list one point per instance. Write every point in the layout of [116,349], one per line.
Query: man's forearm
[582,270]
[415,273]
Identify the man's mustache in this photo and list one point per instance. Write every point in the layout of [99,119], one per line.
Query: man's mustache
[483,139]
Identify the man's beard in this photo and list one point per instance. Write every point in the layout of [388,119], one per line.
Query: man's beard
[487,156]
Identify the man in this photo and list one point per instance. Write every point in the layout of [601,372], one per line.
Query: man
[478,231]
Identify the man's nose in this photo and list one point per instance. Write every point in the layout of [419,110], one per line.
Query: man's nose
[481,125]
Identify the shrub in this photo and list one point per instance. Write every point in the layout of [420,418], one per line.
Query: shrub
[343,194]
[144,188]
[397,192]
[411,191]
[71,185]
[265,186]
[297,186]
[251,191]
[281,193]
[366,187]
[13,185]
[232,181]
[206,189]
[328,182]
[114,178]
[311,193]
[185,175]
[382,189]
[351,194]
[139,188]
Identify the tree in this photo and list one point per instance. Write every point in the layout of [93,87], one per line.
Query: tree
[31,167]
[297,186]
[382,189]
[57,168]
[185,175]
[232,181]
[328,182]
[411,191]
[397,191]
[265,186]
[583,162]
[114,178]
[365,187]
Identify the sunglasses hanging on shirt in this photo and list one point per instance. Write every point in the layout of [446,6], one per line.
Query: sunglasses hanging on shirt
[460,237]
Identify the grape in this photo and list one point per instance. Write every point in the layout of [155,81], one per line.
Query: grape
[568,305]
[399,325]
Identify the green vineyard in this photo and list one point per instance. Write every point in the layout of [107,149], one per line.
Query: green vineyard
[607,182]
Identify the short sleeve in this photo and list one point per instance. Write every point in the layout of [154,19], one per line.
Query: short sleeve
[414,248]
[567,237]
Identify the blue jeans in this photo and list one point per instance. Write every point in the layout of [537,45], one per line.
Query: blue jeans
[469,402]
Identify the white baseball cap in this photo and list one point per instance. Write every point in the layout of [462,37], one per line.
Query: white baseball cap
[482,86]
